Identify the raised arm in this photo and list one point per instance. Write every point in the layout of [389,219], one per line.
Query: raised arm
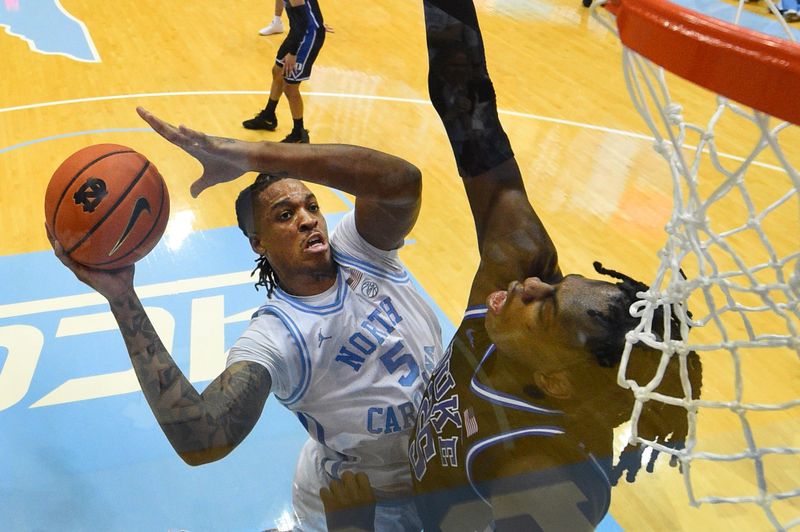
[512,240]
[202,427]
[387,188]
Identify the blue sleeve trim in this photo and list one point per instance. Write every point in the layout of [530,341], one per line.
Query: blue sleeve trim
[297,337]
[377,271]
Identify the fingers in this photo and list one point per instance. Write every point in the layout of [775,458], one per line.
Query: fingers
[154,122]
[199,186]
[363,485]
[66,260]
[59,250]
[50,236]
[193,136]
[351,490]
[168,131]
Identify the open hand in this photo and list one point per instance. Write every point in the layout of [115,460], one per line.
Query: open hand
[223,159]
[349,503]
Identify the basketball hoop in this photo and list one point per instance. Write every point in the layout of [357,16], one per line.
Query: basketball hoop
[732,254]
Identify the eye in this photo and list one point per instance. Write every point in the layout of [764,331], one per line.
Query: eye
[313,207]
[285,215]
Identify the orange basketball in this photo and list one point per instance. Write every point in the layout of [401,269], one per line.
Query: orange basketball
[107,205]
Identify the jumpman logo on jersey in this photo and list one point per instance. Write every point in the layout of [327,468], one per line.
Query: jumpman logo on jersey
[322,338]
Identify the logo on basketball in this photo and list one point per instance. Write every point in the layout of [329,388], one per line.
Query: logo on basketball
[91,194]
[141,205]
[369,288]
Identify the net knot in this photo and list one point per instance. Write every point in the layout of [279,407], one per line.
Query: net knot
[693,220]
[663,148]
[674,112]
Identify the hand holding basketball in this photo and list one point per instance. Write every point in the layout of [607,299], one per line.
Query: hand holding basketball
[223,159]
[110,284]
[107,205]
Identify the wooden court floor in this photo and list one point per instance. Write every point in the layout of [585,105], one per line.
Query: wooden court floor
[587,158]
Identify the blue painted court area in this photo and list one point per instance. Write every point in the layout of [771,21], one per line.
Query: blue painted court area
[87,451]
[765,23]
[48,28]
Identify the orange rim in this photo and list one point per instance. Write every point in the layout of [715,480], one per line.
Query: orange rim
[757,70]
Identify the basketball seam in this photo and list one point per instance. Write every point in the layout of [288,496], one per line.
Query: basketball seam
[76,176]
[109,211]
[134,248]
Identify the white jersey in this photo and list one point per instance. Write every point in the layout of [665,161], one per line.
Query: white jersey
[352,362]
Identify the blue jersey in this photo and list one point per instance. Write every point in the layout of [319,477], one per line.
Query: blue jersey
[465,431]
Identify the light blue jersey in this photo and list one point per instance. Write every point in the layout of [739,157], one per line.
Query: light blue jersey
[351,362]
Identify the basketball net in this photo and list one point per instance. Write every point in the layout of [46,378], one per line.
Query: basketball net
[732,255]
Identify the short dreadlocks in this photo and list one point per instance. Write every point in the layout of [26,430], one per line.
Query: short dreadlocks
[661,422]
[246,220]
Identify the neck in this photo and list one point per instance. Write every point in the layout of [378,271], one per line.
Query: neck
[505,374]
[309,283]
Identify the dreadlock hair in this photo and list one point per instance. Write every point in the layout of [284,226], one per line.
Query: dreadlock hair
[617,320]
[244,217]
[661,422]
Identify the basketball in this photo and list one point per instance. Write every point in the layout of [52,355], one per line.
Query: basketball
[107,205]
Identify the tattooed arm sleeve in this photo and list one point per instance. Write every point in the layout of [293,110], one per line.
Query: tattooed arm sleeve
[202,427]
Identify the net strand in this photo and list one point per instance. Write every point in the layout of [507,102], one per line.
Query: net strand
[735,292]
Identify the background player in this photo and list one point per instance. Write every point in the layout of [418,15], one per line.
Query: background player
[293,64]
[515,431]
[276,24]
[344,340]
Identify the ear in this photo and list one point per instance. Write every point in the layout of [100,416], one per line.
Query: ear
[555,384]
[255,244]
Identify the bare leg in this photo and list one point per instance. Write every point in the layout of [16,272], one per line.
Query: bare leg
[276,89]
[292,91]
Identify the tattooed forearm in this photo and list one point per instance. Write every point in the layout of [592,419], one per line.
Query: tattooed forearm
[201,427]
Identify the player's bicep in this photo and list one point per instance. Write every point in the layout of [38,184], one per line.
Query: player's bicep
[385,224]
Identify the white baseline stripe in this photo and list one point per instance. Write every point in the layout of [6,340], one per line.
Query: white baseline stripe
[182,286]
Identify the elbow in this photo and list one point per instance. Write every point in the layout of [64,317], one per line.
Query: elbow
[411,183]
[205,456]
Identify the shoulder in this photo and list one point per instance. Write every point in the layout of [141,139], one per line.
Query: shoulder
[352,250]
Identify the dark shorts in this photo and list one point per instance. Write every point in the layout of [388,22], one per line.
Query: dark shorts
[309,49]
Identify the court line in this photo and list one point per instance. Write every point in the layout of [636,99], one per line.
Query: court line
[75,134]
[417,101]
[86,34]
[194,284]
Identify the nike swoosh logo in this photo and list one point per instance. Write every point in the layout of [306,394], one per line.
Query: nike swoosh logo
[141,205]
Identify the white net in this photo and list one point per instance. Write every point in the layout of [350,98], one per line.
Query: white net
[730,273]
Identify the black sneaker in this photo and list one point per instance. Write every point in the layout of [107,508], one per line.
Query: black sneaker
[297,138]
[262,121]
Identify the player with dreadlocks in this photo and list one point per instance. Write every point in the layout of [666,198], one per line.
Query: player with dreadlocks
[515,430]
[344,340]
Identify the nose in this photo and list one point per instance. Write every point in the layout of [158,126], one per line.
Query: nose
[534,289]
[307,221]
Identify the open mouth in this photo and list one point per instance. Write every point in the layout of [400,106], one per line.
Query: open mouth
[316,244]
[496,300]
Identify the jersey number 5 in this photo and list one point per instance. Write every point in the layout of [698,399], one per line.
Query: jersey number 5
[393,360]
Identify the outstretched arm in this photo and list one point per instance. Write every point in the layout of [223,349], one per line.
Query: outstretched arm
[387,189]
[513,242]
[201,427]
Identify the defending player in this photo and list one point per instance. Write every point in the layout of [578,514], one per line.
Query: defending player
[344,340]
[515,429]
